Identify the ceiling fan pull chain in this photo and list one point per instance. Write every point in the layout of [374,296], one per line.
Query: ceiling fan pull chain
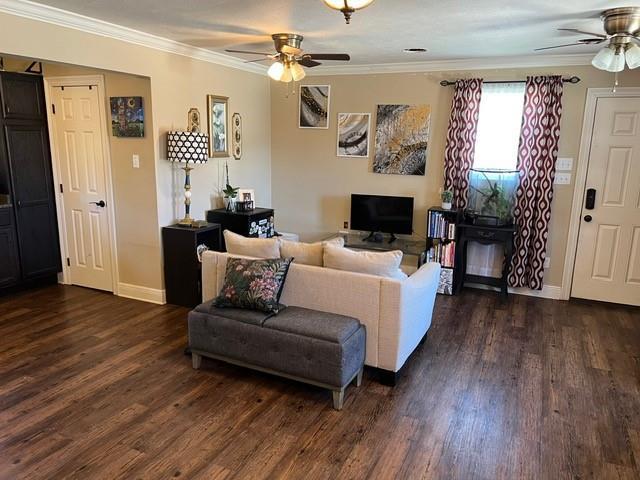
[615,83]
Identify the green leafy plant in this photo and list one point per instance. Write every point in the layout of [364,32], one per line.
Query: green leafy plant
[447,196]
[495,199]
[229,191]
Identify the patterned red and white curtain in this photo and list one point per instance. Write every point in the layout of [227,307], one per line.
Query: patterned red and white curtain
[537,153]
[461,139]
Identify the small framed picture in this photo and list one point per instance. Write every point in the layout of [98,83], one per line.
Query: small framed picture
[246,195]
[353,134]
[313,111]
[218,115]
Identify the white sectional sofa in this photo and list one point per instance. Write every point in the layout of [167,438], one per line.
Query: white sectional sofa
[396,313]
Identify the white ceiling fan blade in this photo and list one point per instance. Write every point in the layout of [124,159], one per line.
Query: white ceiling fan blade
[575,30]
[557,46]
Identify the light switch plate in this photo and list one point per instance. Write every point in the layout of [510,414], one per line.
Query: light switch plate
[136,161]
[564,164]
[547,262]
[562,179]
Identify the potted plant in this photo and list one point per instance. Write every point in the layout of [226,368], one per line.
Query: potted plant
[229,193]
[447,199]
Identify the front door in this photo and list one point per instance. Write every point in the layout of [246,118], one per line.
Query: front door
[607,265]
[78,137]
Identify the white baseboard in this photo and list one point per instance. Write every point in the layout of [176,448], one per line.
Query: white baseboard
[145,294]
[548,291]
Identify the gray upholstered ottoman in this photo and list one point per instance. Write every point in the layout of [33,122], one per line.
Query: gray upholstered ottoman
[319,348]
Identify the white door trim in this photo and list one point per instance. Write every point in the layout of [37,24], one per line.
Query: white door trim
[98,81]
[593,94]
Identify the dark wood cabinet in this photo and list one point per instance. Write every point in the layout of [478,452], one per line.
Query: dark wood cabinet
[28,225]
[182,269]
[254,223]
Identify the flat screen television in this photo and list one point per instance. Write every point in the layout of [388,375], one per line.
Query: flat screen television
[381,213]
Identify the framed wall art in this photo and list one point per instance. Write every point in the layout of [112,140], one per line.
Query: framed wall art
[218,116]
[127,116]
[313,111]
[353,134]
[236,136]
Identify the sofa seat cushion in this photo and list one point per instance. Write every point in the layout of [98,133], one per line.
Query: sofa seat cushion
[252,317]
[314,324]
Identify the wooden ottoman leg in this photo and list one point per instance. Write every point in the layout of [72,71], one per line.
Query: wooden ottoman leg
[196,360]
[338,398]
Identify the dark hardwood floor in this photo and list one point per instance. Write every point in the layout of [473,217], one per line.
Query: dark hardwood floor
[97,387]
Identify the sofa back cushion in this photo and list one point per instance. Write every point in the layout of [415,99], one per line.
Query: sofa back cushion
[384,264]
[307,253]
[252,247]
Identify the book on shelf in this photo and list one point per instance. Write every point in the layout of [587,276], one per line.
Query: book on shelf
[440,226]
[442,253]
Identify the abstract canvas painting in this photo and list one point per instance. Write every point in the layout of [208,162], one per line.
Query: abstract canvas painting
[314,106]
[353,134]
[402,139]
[127,116]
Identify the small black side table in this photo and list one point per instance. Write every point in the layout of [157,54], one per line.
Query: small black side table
[253,223]
[485,235]
[182,270]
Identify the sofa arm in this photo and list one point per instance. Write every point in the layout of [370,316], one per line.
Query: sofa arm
[406,309]
[209,275]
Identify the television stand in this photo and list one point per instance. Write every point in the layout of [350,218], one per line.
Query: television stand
[374,237]
[358,241]
[392,238]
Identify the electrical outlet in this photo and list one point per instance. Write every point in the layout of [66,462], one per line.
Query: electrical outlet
[564,164]
[136,161]
[547,262]
[345,225]
[562,179]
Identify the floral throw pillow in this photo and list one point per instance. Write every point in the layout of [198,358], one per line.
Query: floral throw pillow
[253,284]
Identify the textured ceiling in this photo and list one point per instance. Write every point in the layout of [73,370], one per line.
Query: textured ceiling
[449,29]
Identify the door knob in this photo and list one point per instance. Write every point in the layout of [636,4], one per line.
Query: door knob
[588,218]
[100,204]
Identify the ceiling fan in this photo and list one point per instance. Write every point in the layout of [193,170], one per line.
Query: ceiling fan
[622,27]
[290,58]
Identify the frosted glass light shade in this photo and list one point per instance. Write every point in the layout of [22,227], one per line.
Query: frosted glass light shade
[350,4]
[286,75]
[297,72]
[603,59]
[617,64]
[633,56]
[276,70]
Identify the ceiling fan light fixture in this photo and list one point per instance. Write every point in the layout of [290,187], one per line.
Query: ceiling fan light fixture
[617,64]
[276,70]
[347,7]
[632,56]
[297,72]
[286,75]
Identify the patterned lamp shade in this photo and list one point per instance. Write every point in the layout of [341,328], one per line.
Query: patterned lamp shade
[187,147]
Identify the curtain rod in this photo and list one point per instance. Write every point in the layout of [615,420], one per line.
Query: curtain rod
[448,83]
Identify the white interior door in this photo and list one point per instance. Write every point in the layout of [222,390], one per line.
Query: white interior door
[78,131]
[607,265]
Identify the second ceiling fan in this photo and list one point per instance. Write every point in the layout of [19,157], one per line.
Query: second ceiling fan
[290,59]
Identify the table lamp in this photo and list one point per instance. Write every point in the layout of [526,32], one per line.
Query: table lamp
[187,148]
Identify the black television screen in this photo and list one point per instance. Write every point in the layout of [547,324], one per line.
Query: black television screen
[380,213]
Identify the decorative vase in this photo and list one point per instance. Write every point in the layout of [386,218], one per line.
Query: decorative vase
[229,203]
[446,205]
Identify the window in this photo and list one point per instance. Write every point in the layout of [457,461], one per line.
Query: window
[499,126]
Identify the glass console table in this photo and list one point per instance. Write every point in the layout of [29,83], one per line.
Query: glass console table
[357,240]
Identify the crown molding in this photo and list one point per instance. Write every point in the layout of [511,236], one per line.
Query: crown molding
[526,61]
[64,18]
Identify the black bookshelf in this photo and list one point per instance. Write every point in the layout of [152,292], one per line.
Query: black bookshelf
[442,241]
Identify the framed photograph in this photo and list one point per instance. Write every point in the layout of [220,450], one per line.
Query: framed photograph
[246,195]
[313,111]
[218,115]
[127,116]
[193,121]
[353,134]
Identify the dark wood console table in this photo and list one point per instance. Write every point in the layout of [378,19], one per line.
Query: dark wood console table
[486,235]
